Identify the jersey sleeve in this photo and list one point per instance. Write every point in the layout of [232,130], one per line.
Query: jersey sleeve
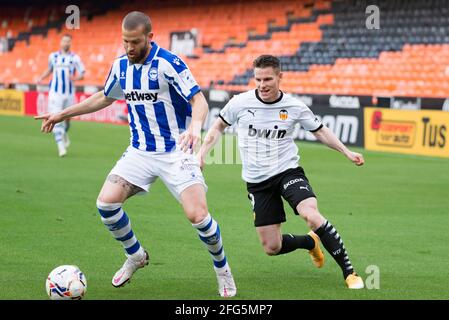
[112,87]
[308,120]
[229,113]
[79,66]
[179,75]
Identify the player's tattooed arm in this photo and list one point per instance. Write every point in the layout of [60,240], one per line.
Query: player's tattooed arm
[129,188]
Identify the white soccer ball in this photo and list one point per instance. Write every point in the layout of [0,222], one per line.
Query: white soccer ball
[66,282]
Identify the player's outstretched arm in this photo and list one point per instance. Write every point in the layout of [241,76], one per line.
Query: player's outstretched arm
[44,75]
[211,138]
[94,103]
[79,76]
[190,138]
[327,137]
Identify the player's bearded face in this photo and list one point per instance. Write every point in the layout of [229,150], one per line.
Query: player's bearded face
[136,44]
[267,83]
[66,43]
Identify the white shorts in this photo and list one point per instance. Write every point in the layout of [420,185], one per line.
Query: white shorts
[58,102]
[178,170]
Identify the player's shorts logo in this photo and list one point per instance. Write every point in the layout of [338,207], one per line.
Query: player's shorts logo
[288,184]
[283,114]
[152,74]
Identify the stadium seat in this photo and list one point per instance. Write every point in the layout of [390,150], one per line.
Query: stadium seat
[322,44]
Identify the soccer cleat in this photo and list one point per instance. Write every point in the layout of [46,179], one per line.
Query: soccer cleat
[226,284]
[353,281]
[316,254]
[61,150]
[66,140]
[123,276]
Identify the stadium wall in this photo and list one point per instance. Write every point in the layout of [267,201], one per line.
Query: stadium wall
[410,125]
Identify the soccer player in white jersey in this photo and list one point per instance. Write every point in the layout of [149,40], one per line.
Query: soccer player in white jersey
[166,110]
[66,68]
[265,120]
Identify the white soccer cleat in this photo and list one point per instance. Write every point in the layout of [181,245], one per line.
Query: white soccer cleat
[226,284]
[61,150]
[66,140]
[123,276]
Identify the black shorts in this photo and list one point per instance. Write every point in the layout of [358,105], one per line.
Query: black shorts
[266,196]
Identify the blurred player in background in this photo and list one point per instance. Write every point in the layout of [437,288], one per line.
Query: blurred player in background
[266,119]
[162,97]
[66,68]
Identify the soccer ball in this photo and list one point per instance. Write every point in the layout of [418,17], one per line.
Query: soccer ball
[66,282]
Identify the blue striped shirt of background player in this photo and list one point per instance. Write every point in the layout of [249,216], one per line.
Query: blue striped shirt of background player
[64,66]
[157,94]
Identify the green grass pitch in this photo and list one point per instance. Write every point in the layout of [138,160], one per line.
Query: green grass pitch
[392,213]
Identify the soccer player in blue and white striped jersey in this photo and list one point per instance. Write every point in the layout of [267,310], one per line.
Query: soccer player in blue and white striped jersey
[66,68]
[166,110]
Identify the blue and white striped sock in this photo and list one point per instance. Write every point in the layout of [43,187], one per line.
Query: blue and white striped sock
[58,132]
[209,233]
[117,221]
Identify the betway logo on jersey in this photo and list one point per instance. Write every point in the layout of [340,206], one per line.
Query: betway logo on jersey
[141,96]
[266,133]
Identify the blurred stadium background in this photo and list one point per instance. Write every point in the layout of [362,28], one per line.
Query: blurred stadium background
[331,59]
[383,89]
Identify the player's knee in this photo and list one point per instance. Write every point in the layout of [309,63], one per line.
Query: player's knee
[309,212]
[107,205]
[307,209]
[271,248]
[197,213]
[102,199]
[105,197]
[194,203]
